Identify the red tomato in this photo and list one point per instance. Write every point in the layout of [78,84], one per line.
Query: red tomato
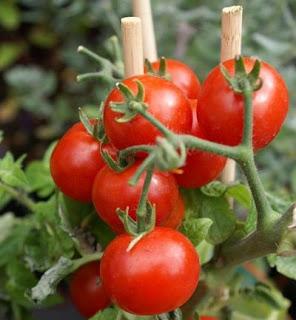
[166,103]
[182,76]
[175,218]
[75,162]
[220,111]
[111,190]
[201,167]
[159,274]
[86,290]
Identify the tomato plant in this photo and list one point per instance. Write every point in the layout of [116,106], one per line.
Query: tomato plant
[146,271]
[165,101]
[181,75]
[75,162]
[111,190]
[86,290]
[150,268]
[220,110]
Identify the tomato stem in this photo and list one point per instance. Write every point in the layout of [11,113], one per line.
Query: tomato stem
[18,195]
[248,115]
[142,206]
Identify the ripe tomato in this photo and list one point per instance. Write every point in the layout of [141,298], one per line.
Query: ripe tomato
[201,167]
[75,162]
[165,101]
[86,290]
[182,76]
[207,318]
[220,111]
[175,218]
[159,274]
[111,190]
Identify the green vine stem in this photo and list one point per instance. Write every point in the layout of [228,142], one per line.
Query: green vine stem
[18,195]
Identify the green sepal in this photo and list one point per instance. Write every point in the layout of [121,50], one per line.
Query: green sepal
[130,225]
[241,76]
[162,70]
[132,102]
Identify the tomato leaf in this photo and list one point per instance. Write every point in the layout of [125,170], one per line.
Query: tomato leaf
[284,265]
[241,194]
[11,172]
[39,177]
[196,229]
[218,210]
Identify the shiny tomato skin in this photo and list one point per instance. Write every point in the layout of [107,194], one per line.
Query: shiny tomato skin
[220,111]
[174,220]
[159,274]
[111,190]
[165,101]
[75,162]
[182,76]
[86,290]
[201,167]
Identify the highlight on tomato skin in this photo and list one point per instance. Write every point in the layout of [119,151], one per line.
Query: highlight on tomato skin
[111,190]
[201,167]
[75,162]
[157,275]
[165,101]
[220,110]
[182,76]
[86,290]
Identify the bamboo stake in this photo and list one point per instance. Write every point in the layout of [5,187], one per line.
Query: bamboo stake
[142,9]
[132,43]
[231,36]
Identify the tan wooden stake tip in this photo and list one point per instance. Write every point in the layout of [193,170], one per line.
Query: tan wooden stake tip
[231,36]
[142,9]
[131,28]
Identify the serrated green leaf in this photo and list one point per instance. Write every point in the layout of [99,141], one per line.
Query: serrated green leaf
[241,194]
[12,245]
[11,172]
[196,229]
[47,241]
[286,266]
[40,180]
[218,210]
[205,251]
[214,189]
[193,200]
[19,280]
[50,279]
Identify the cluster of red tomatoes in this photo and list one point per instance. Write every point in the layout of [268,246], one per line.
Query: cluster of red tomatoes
[161,271]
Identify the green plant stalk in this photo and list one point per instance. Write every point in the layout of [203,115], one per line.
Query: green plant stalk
[85,259]
[141,210]
[18,195]
[247,140]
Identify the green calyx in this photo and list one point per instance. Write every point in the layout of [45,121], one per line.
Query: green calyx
[132,103]
[137,228]
[95,129]
[162,70]
[241,76]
